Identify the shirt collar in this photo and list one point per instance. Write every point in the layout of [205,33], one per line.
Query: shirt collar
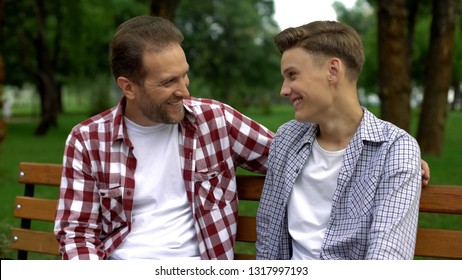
[190,119]
[371,128]
[120,130]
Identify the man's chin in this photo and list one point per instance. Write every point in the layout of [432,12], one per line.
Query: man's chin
[176,118]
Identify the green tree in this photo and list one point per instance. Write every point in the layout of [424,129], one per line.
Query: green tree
[35,40]
[164,8]
[58,43]
[3,126]
[363,18]
[394,71]
[230,48]
[90,75]
[412,57]
[438,77]
[457,62]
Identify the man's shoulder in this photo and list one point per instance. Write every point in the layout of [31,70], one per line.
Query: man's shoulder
[196,101]
[103,118]
[198,107]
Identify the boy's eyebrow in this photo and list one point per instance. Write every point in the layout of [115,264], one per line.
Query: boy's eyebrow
[288,69]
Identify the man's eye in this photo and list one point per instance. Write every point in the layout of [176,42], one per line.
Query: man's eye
[168,83]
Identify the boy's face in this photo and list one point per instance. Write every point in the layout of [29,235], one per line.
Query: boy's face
[305,84]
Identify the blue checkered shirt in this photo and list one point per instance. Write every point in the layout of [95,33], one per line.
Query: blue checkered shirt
[375,205]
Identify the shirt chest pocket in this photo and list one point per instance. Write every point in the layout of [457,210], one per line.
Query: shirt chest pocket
[112,210]
[361,198]
[214,187]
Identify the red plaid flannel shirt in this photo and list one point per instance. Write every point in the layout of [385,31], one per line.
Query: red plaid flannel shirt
[96,196]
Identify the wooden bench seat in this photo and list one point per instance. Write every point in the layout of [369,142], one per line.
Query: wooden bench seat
[432,243]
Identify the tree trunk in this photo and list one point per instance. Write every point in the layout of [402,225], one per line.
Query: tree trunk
[457,95]
[3,127]
[164,8]
[49,96]
[48,86]
[394,74]
[412,8]
[438,78]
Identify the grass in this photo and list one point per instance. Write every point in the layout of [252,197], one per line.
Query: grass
[21,145]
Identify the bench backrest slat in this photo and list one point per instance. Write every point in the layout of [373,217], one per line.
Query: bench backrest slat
[34,208]
[34,241]
[441,199]
[40,173]
[434,243]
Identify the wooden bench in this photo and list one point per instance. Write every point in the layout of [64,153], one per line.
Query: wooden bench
[433,243]
[30,208]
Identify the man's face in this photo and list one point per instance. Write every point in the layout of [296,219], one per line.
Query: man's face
[160,98]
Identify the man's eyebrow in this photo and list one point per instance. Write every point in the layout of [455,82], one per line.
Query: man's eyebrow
[168,78]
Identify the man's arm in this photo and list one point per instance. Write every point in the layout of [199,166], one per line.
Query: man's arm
[250,140]
[425,173]
[77,213]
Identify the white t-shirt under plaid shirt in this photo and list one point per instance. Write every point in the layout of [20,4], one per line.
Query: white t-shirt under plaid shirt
[97,187]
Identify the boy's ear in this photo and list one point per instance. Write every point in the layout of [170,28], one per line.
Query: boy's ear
[334,69]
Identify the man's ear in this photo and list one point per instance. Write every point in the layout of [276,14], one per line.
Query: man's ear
[127,87]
